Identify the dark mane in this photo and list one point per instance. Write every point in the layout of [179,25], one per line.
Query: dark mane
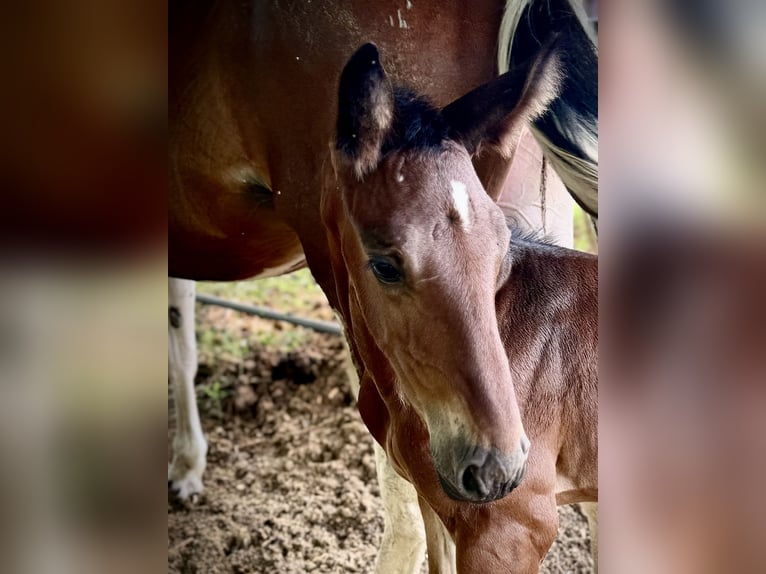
[417,124]
[524,240]
[527,235]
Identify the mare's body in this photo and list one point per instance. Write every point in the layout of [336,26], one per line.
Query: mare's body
[252,114]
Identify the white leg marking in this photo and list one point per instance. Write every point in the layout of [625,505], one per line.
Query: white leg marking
[403,546]
[442,558]
[590,509]
[189,445]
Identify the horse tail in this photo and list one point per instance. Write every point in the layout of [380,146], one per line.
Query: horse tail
[568,132]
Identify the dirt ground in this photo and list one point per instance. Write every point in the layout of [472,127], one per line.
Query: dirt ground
[290,485]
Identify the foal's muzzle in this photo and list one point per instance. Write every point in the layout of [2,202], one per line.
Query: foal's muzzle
[484,475]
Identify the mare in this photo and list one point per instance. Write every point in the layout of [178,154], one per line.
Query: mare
[253,91]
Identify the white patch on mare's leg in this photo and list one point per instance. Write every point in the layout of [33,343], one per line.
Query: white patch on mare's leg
[189,445]
[460,202]
[442,554]
[403,546]
[590,509]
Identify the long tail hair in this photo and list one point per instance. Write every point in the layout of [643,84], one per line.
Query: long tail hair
[568,132]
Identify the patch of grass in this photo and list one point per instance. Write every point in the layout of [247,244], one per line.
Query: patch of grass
[221,343]
[286,340]
[214,394]
[296,293]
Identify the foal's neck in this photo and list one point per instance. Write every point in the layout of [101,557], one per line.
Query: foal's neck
[547,313]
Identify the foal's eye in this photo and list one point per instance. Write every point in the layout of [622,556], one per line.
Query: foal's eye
[385,271]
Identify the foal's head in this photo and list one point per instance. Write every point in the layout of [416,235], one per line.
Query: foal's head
[424,248]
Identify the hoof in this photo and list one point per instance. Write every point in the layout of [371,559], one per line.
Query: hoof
[184,485]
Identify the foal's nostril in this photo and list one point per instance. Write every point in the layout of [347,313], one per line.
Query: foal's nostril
[488,476]
[472,481]
[525,444]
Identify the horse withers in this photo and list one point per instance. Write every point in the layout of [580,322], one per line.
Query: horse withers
[424,256]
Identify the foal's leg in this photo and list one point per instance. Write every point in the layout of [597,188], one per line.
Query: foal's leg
[403,547]
[515,544]
[441,548]
[189,446]
[590,509]
[512,535]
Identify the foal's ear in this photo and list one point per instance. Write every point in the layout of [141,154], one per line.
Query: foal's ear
[365,110]
[494,114]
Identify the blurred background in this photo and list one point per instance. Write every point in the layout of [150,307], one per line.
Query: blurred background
[83,287]
[682,370]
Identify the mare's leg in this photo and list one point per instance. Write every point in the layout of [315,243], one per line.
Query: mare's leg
[441,548]
[189,446]
[590,509]
[403,547]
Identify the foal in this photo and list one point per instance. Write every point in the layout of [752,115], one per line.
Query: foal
[424,257]
[547,312]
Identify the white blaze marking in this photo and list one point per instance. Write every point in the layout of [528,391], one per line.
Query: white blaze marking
[460,201]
